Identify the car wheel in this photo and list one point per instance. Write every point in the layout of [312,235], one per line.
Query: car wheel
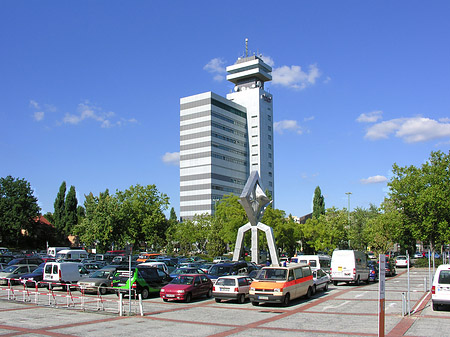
[254,303]
[165,299]
[309,292]
[358,281]
[209,293]
[218,300]
[335,283]
[314,290]
[144,293]
[188,297]
[287,299]
[435,307]
[102,289]
[241,298]
[326,287]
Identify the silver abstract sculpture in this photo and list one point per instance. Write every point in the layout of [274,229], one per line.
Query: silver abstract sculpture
[255,202]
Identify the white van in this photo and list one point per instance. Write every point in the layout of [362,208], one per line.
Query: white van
[75,255]
[52,251]
[349,266]
[315,261]
[440,291]
[63,272]
[160,265]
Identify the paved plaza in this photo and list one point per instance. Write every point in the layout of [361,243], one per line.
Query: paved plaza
[345,310]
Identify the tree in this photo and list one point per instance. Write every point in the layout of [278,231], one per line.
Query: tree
[59,208]
[216,245]
[70,211]
[422,195]
[18,210]
[318,203]
[142,210]
[360,217]
[232,215]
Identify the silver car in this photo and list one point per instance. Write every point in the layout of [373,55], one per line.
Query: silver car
[14,272]
[98,281]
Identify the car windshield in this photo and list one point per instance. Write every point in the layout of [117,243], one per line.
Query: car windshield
[272,274]
[183,280]
[183,271]
[401,257]
[220,270]
[226,282]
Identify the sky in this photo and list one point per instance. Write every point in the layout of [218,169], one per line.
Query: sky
[90,91]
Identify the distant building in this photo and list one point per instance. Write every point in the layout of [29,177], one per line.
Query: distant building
[223,139]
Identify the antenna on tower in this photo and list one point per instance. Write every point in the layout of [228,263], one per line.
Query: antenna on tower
[246,47]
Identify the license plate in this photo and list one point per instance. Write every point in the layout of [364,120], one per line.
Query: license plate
[170,295]
[263,297]
[224,289]
[339,268]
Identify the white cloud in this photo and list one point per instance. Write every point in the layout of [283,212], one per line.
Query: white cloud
[370,117]
[410,130]
[268,60]
[216,66]
[374,180]
[287,125]
[307,119]
[171,158]
[34,104]
[294,77]
[39,115]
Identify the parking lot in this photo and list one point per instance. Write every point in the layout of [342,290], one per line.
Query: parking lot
[343,310]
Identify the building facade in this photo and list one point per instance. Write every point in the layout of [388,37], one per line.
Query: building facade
[223,139]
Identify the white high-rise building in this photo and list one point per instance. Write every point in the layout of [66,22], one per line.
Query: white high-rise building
[223,139]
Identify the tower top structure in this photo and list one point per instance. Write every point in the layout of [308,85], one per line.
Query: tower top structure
[249,71]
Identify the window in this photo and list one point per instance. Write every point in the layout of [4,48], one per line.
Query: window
[270,164]
[270,137]
[269,117]
[270,146]
[270,174]
[269,128]
[270,155]
[298,273]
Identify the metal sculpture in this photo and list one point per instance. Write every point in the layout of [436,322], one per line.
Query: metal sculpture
[255,202]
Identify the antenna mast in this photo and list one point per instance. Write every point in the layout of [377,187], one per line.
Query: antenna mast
[246,47]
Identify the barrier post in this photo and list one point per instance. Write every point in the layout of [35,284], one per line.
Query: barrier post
[141,309]
[120,305]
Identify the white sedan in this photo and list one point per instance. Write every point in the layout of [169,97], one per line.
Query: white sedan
[401,261]
[321,280]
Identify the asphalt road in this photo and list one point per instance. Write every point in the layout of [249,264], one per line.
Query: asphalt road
[345,310]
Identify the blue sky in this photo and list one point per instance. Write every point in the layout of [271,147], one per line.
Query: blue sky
[90,90]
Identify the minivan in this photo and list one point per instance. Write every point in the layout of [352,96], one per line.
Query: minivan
[349,266]
[76,255]
[282,284]
[440,291]
[314,261]
[63,273]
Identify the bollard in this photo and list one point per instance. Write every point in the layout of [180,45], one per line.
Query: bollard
[425,288]
[120,305]
[140,305]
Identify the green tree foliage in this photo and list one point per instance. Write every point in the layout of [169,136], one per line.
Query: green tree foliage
[192,235]
[173,216]
[59,208]
[384,229]
[70,211]
[359,218]
[287,235]
[326,232]
[142,210]
[18,209]
[102,225]
[81,213]
[422,194]
[318,203]
[232,215]
[216,245]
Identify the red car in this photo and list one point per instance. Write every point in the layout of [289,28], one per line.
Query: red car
[186,287]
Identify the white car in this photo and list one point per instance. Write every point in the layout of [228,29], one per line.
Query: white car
[401,261]
[221,259]
[440,291]
[321,280]
[232,288]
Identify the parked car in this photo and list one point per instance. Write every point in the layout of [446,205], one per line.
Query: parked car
[14,272]
[224,269]
[26,260]
[221,259]
[390,268]
[205,266]
[418,255]
[320,279]
[232,288]
[440,290]
[401,261]
[436,255]
[92,266]
[62,274]
[5,259]
[186,287]
[34,278]
[373,271]
[144,280]
[349,266]
[183,270]
[98,281]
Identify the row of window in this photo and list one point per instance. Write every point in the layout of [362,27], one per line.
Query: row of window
[229,159]
[227,119]
[230,130]
[228,139]
[229,149]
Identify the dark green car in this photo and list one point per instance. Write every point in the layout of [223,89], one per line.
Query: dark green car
[144,280]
